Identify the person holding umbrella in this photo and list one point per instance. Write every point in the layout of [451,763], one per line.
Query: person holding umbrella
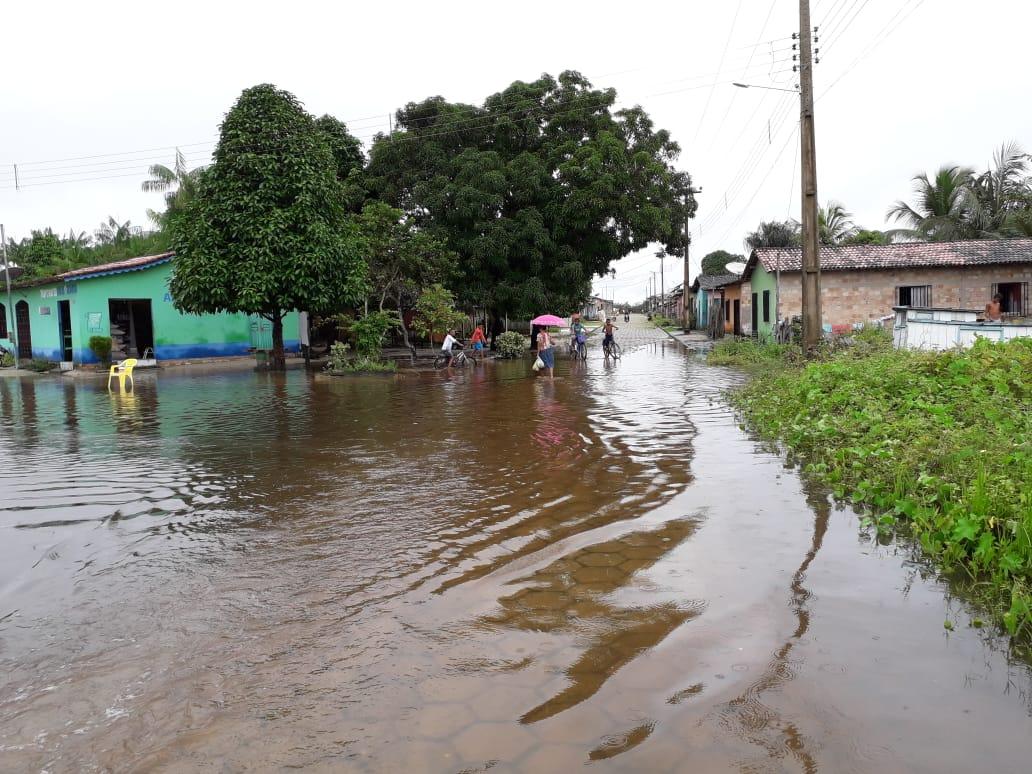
[546,350]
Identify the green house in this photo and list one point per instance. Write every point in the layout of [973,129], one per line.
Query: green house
[129,301]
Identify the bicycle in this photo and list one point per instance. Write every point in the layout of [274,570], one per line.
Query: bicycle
[578,349]
[459,359]
[611,349]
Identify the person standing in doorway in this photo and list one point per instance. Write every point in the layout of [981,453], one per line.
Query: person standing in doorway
[545,351]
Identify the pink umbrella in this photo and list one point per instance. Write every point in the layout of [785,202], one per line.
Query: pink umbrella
[548,319]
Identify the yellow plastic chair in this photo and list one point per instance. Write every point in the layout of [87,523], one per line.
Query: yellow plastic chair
[123,371]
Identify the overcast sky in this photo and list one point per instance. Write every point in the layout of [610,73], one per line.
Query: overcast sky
[103,89]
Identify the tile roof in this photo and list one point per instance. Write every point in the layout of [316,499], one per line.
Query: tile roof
[714,281]
[117,267]
[904,255]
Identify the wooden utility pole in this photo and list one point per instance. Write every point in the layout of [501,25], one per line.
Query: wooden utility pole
[812,328]
[10,307]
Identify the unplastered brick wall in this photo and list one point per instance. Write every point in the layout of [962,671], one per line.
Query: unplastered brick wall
[849,297]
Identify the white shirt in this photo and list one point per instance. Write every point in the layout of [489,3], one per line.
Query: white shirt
[449,341]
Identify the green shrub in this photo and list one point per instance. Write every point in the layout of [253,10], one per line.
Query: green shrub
[338,356]
[371,332]
[41,366]
[938,441]
[101,347]
[511,344]
[6,359]
[340,363]
[664,322]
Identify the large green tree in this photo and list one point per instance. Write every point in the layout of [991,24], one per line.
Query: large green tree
[717,261]
[267,231]
[537,190]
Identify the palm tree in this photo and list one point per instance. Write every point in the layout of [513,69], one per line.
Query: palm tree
[1002,191]
[945,207]
[834,223]
[113,232]
[774,233]
[178,184]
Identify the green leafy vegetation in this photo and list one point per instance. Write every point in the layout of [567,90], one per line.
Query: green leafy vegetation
[6,359]
[939,442]
[101,347]
[511,344]
[40,365]
[436,312]
[267,230]
[370,333]
[716,262]
[536,190]
[339,362]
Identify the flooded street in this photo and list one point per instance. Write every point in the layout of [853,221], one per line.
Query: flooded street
[234,571]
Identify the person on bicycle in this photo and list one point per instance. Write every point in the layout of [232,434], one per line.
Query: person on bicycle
[607,330]
[580,334]
[449,342]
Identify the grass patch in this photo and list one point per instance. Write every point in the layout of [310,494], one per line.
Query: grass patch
[939,441]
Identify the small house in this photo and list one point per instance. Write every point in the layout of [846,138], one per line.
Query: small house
[129,301]
[863,283]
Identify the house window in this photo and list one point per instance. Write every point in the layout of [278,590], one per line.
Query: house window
[914,295]
[1015,297]
[766,306]
[727,310]
[3,322]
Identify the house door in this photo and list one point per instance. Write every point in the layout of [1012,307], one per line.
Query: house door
[21,322]
[64,321]
[755,313]
[737,317]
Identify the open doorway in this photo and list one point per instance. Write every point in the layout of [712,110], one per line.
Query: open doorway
[64,321]
[132,328]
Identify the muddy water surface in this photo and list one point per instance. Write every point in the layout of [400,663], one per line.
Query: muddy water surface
[238,571]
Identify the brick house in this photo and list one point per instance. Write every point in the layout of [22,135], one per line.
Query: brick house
[862,283]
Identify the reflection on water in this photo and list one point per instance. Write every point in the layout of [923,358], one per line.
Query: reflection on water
[448,573]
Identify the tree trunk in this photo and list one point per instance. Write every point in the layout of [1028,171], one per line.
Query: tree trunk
[279,360]
[404,331]
[496,327]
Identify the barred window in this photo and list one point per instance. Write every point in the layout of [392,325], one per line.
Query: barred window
[914,295]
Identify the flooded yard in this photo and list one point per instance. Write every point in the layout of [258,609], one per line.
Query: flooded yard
[234,571]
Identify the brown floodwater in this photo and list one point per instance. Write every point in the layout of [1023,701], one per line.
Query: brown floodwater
[230,571]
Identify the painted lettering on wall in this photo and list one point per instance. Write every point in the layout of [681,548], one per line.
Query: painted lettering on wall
[168,297]
[64,290]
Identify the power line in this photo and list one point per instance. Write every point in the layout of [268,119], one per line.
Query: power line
[757,188]
[734,94]
[882,35]
[720,69]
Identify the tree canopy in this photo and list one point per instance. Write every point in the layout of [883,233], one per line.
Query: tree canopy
[267,231]
[536,190]
[717,261]
[774,233]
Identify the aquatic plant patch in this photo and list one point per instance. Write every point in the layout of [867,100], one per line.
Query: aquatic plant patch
[942,441]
